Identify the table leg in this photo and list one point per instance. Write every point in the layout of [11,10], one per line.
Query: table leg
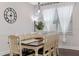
[36,52]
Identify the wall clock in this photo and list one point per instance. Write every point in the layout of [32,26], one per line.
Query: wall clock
[10,15]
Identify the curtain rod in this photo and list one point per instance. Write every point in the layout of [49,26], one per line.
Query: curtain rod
[48,3]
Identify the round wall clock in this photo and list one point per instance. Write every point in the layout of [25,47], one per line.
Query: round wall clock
[10,15]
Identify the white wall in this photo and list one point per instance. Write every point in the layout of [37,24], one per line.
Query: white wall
[22,25]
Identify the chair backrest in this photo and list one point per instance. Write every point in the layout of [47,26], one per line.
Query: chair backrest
[54,39]
[24,36]
[30,36]
[47,46]
[14,42]
[51,41]
[57,39]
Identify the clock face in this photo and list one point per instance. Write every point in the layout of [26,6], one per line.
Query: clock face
[10,15]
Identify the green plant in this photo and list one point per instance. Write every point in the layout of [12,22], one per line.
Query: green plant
[39,25]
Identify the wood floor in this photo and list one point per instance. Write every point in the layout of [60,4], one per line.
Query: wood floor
[65,52]
[68,52]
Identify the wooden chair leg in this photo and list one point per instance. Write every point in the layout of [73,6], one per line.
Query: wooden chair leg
[54,52]
[21,52]
[57,51]
[11,54]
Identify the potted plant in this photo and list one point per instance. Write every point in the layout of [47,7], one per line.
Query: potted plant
[39,25]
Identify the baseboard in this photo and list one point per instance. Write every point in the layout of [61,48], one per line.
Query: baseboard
[6,55]
[2,53]
[70,47]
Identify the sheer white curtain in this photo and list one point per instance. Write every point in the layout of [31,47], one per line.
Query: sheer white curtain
[64,14]
[49,16]
[60,16]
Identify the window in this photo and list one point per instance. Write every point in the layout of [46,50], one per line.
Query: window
[58,19]
[64,14]
[49,16]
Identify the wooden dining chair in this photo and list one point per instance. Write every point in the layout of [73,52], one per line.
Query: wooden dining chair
[54,44]
[14,44]
[50,45]
[57,44]
[26,37]
[46,50]
[47,46]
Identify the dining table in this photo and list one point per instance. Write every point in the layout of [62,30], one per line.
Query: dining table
[34,44]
